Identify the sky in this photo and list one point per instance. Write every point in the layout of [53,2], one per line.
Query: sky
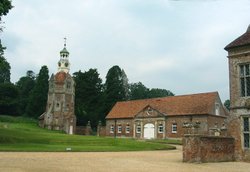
[176,45]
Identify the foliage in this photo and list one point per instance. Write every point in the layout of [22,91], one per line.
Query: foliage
[5,6]
[157,92]
[27,136]
[4,68]
[125,85]
[227,104]
[140,91]
[38,97]
[8,99]
[114,89]
[88,98]
[25,86]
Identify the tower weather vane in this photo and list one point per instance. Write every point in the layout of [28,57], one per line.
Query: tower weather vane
[65,40]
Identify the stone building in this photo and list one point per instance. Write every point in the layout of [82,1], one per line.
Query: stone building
[161,118]
[59,114]
[239,75]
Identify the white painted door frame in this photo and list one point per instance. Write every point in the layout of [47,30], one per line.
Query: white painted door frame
[149,131]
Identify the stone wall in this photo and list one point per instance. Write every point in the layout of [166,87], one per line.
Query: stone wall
[198,148]
[83,130]
[101,131]
[239,105]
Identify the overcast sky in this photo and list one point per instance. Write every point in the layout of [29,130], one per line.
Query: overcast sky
[172,44]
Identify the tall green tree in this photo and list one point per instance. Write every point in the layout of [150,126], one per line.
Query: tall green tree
[88,98]
[125,85]
[38,97]
[4,69]
[5,6]
[157,92]
[8,99]
[25,85]
[138,91]
[115,89]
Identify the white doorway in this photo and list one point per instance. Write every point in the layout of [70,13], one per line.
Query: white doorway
[70,129]
[149,131]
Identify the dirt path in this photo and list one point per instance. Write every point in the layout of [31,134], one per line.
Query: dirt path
[151,161]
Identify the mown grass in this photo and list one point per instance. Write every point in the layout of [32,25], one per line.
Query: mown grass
[167,141]
[23,134]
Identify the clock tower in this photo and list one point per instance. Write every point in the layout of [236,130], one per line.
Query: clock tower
[60,109]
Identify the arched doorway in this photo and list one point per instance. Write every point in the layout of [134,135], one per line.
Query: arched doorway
[149,131]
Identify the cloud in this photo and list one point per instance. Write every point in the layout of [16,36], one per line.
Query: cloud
[177,45]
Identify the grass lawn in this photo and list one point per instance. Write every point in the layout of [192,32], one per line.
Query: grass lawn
[22,134]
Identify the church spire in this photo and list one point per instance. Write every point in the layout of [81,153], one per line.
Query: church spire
[63,64]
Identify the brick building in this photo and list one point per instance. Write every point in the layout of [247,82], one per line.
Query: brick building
[160,118]
[239,75]
[59,113]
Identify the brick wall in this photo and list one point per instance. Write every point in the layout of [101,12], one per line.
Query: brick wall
[101,130]
[207,148]
[83,130]
[206,122]
[239,106]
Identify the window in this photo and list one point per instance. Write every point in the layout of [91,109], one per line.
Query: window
[111,129]
[138,129]
[127,129]
[68,85]
[174,128]
[119,129]
[160,128]
[217,109]
[67,107]
[245,80]
[246,132]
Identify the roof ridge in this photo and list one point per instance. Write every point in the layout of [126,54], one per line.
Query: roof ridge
[166,97]
[240,41]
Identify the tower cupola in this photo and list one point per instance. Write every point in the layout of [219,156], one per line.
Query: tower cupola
[63,64]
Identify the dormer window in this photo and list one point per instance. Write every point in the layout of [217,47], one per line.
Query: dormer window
[245,80]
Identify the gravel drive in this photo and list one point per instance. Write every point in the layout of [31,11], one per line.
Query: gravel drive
[146,161]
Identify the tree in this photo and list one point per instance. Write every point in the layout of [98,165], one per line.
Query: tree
[25,86]
[125,84]
[8,99]
[88,98]
[38,97]
[114,89]
[5,6]
[227,104]
[138,91]
[157,92]
[4,69]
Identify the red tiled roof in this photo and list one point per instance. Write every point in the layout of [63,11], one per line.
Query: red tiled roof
[240,41]
[195,104]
